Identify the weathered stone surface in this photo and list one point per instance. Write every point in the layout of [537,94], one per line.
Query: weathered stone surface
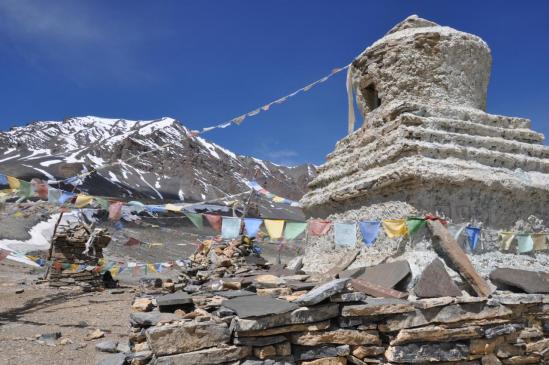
[116,359]
[139,358]
[490,359]
[435,282]
[518,298]
[504,329]
[449,314]
[327,361]
[229,294]
[274,292]
[449,249]
[348,297]
[319,326]
[283,349]
[374,307]
[304,353]
[385,275]
[259,341]
[376,290]
[522,360]
[322,292]
[485,346]
[107,346]
[339,336]
[419,353]
[436,334]
[214,355]
[174,299]
[268,281]
[539,346]
[257,306]
[151,318]
[264,352]
[288,360]
[186,337]
[432,302]
[142,305]
[524,280]
[301,315]
[361,352]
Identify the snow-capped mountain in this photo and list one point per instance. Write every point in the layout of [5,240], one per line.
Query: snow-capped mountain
[189,169]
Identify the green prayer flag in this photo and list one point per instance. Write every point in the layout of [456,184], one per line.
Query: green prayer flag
[196,218]
[294,229]
[415,224]
[103,203]
[25,189]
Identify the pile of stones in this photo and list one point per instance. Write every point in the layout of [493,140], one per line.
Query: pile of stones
[69,244]
[234,308]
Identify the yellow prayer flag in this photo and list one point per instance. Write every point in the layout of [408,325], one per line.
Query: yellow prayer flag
[151,268]
[18,214]
[274,227]
[115,270]
[506,240]
[74,267]
[173,208]
[278,199]
[540,241]
[395,227]
[13,182]
[83,200]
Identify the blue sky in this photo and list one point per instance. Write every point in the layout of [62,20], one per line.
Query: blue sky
[204,62]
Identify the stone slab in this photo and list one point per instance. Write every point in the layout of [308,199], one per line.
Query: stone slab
[322,292]
[435,282]
[258,306]
[436,334]
[259,341]
[214,355]
[348,297]
[338,336]
[285,329]
[528,281]
[229,294]
[177,298]
[419,353]
[376,290]
[377,306]
[304,353]
[385,275]
[147,319]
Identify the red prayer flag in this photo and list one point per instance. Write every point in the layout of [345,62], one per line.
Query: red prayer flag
[319,227]
[214,220]
[115,211]
[4,254]
[432,217]
[132,242]
[40,188]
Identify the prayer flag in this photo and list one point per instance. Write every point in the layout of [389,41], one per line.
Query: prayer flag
[230,227]
[115,270]
[40,188]
[540,241]
[252,226]
[82,200]
[294,229]
[473,234]
[102,202]
[13,182]
[319,227]
[415,224]
[214,220]
[115,211]
[369,230]
[345,234]
[3,180]
[136,206]
[196,219]
[173,208]
[506,240]
[118,226]
[4,254]
[66,196]
[132,242]
[395,227]
[239,120]
[53,195]
[274,227]
[151,268]
[253,112]
[25,189]
[525,243]
[456,229]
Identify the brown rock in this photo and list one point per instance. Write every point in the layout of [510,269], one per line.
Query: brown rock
[435,282]
[232,285]
[327,361]
[523,280]
[375,290]
[485,346]
[436,334]
[490,359]
[363,351]
[283,349]
[420,353]
[374,307]
[448,248]
[264,352]
[142,305]
[522,360]
[339,336]
[214,355]
[285,329]
[538,346]
[274,292]
[94,335]
[268,281]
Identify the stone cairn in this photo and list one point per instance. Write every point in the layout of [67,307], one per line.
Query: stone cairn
[69,243]
[232,307]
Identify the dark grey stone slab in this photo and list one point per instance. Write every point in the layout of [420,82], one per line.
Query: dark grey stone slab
[117,359]
[229,294]
[107,346]
[349,297]
[300,285]
[522,280]
[420,353]
[257,306]
[303,353]
[386,275]
[147,319]
[259,341]
[177,298]
[435,282]
[322,292]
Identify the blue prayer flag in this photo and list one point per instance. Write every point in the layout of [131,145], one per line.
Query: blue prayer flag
[473,234]
[369,230]
[65,196]
[252,226]
[3,180]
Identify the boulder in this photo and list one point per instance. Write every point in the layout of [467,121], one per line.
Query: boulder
[258,306]
[435,282]
[107,346]
[377,306]
[214,355]
[117,359]
[385,275]
[322,292]
[521,280]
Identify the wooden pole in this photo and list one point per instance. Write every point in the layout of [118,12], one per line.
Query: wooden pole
[50,252]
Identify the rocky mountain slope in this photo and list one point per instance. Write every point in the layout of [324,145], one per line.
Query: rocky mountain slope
[189,169]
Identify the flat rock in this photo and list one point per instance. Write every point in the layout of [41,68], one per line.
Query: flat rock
[268,281]
[419,353]
[117,359]
[338,336]
[300,285]
[186,337]
[436,334]
[229,294]
[278,360]
[435,282]
[386,275]
[432,302]
[518,298]
[298,316]
[304,353]
[285,329]
[214,355]
[322,292]
[328,361]
[173,299]
[259,341]
[348,297]
[522,280]
[151,318]
[258,306]
[107,346]
[377,306]
[140,357]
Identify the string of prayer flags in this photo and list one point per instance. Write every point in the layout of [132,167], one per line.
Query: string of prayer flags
[524,243]
[506,240]
[25,189]
[196,219]
[274,227]
[345,234]
[370,231]
[473,234]
[395,227]
[82,200]
[540,241]
[115,211]
[319,227]
[214,220]
[252,226]
[431,217]
[293,229]
[230,227]
[277,199]
[414,224]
